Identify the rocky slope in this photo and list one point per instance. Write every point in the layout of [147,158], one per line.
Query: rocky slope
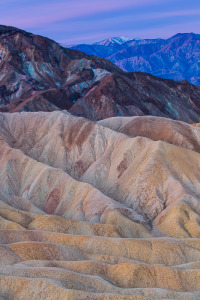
[175,58]
[138,94]
[37,74]
[106,210]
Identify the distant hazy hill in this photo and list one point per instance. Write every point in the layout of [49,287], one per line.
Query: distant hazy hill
[175,58]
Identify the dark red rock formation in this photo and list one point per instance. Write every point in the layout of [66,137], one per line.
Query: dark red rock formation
[132,94]
[37,74]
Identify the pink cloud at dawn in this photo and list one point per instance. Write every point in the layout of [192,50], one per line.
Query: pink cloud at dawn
[66,10]
[88,21]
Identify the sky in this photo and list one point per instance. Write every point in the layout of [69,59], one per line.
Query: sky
[88,21]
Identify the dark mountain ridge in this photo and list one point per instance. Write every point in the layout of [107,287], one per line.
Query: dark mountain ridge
[37,74]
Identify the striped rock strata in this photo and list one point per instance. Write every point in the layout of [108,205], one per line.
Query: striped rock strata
[106,210]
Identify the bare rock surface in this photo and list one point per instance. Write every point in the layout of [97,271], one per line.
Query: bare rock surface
[37,74]
[106,210]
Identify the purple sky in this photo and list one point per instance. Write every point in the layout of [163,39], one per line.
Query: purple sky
[88,21]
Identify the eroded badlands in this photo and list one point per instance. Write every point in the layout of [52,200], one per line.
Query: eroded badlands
[106,210]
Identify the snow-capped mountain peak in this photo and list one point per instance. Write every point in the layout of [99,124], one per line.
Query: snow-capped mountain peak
[113,40]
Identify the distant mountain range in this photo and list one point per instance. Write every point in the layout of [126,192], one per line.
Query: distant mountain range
[175,58]
[37,74]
